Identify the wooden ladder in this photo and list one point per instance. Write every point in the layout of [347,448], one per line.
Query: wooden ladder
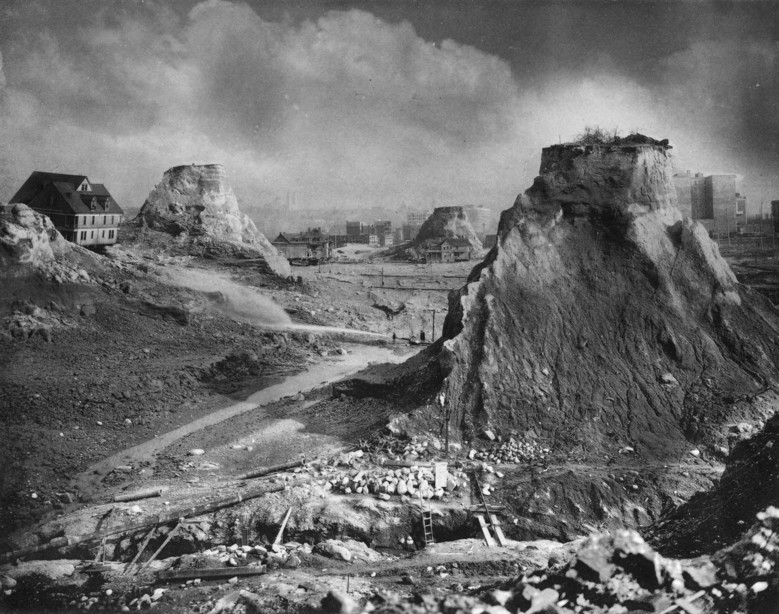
[427,527]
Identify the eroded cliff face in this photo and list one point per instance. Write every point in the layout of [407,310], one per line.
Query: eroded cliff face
[603,319]
[198,202]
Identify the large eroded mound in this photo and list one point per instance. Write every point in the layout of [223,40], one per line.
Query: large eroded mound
[197,202]
[602,320]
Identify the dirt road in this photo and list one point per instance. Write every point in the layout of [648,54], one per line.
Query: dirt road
[335,368]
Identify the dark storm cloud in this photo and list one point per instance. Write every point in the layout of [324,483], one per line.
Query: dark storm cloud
[400,102]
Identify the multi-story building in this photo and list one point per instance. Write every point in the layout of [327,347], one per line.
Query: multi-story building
[83,212]
[414,221]
[382,227]
[711,200]
[354,229]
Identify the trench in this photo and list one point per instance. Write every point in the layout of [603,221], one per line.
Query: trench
[229,526]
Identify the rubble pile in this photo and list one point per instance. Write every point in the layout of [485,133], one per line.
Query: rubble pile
[407,482]
[417,447]
[620,573]
[28,320]
[511,452]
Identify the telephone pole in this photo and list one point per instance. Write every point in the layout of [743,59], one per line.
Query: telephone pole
[432,338]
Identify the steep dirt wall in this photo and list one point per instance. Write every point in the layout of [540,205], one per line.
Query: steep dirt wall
[602,319]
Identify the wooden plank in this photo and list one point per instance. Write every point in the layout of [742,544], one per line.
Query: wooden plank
[263,471]
[498,531]
[485,531]
[139,494]
[277,541]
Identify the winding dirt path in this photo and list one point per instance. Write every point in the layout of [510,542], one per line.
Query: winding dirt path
[331,370]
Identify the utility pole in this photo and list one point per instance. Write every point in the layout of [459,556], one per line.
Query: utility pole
[432,338]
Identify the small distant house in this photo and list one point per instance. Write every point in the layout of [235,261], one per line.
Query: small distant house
[311,246]
[448,250]
[83,212]
[455,250]
[433,250]
[292,249]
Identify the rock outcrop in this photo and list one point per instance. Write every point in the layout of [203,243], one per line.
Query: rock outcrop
[445,222]
[26,237]
[196,202]
[29,241]
[604,320]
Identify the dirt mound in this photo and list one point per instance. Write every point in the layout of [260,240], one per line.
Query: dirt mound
[718,517]
[444,223]
[196,204]
[603,320]
[30,242]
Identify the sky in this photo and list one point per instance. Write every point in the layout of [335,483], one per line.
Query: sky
[379,103]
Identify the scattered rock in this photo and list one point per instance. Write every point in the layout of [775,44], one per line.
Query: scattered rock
[335,549]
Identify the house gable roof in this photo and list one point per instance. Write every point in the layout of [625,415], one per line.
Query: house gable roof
[457,242]
[40,187]
[38,180]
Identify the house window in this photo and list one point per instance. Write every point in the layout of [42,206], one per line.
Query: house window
[92,235]
[102,234]
[104,219]
[83,235]
[112,220]
[110,234]
[93,220]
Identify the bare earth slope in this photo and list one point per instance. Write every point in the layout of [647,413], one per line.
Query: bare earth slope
[602,319]
[718,517]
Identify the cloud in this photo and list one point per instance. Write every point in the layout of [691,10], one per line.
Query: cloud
[345,109]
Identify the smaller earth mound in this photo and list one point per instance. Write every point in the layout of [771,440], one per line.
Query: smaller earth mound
[444,223]
[196,204]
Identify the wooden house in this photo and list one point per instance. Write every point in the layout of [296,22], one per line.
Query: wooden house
[83,212]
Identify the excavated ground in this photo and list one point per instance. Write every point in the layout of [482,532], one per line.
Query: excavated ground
[66,402]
